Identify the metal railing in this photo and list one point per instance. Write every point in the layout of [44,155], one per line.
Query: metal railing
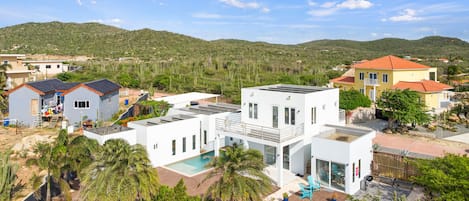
[369,81]
[276,135]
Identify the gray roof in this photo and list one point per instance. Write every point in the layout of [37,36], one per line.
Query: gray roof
[104,86]
[46,86]
[109,130]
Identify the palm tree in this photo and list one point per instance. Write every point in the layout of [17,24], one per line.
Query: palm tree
[120,172]
[3,73]
[241,175]
[7,176]
[61,158]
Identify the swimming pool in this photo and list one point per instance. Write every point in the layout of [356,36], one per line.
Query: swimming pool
[192,166]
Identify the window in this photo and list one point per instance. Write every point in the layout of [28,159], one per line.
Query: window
[433,76]
[82,104]
[362,91]
[292,116]
[58,65]
[5,62]
[362,76]
[183,144]
[353,172]
[155,146]
[275,116]
[255,110]
[193,142]
[359,168]
[174,147]
[313,115]
[250,110]
[205,137]
[48,66]
[287,115]
[385,78]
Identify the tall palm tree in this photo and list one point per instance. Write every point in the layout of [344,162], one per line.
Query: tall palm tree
[241,175]
[120,172]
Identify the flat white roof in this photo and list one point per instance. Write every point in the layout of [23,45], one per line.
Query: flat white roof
[43,61]
[186,97]
[12,55]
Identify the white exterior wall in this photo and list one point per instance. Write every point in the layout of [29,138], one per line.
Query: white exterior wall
[162,135]
[265,101]
[129,136]
[55,67]
[345,153]
[327,111]
[297,156]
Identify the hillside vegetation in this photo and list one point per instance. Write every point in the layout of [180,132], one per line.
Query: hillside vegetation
[178,63]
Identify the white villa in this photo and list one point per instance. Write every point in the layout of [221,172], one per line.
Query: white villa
[299,129]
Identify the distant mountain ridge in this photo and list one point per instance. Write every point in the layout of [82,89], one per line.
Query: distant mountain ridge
[94,39]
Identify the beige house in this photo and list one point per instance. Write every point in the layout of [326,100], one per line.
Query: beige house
[17,73]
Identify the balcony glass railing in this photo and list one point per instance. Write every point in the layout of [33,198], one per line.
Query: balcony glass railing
[369,81]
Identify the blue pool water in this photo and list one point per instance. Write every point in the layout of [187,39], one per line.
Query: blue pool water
[192,166]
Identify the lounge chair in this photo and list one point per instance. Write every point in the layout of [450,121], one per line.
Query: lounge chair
[314,183]
[305,191]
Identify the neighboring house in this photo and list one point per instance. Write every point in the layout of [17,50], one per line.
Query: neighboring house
[298,129]
[96,100]
[390,72]
[30,102]
[18,73]
[46,68]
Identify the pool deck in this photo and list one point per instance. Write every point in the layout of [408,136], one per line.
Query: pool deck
[171,178]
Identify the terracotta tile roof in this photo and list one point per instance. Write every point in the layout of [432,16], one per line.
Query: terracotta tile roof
[344,80]
[422,86]
[390,62]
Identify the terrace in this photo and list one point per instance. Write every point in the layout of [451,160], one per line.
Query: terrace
[341,133]
[251,131]
[210,109]
[163,120]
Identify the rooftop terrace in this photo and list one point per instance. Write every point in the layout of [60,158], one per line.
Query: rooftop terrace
[215,108]
[163,120]
[343,134]
[292,88]
[109,130]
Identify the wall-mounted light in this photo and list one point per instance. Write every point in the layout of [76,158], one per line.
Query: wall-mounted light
[244,103]
[312,156]
[288,97]
[252,94]
[346,164]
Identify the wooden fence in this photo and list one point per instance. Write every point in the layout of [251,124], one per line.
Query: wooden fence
[393,166]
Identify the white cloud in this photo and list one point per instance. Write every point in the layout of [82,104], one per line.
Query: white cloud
[354,4]
[79,2]
[331,7]
[93,2]
[116,20]
[265,10]
[322,12]
[406,16]
[374,34]
[328,4]
[206,16]
[240,4]
[311,3]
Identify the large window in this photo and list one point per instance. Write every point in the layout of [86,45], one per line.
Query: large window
[82,104]
[250,110]
[322,170]
[313,115]
[338,176]
[174,147]
[183,144]
[255,110]
[287,115]
[48,66]
[362,76]
[193,142]
[292,116]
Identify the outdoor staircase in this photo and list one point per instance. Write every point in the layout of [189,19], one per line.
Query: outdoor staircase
[53,121]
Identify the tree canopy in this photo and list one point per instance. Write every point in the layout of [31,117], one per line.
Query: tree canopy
[403,106]
[445,178]
[352,99]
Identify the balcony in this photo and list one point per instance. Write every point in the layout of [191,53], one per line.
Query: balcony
[371,82]
[270,134]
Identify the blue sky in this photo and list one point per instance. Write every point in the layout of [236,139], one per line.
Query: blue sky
[274,21]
